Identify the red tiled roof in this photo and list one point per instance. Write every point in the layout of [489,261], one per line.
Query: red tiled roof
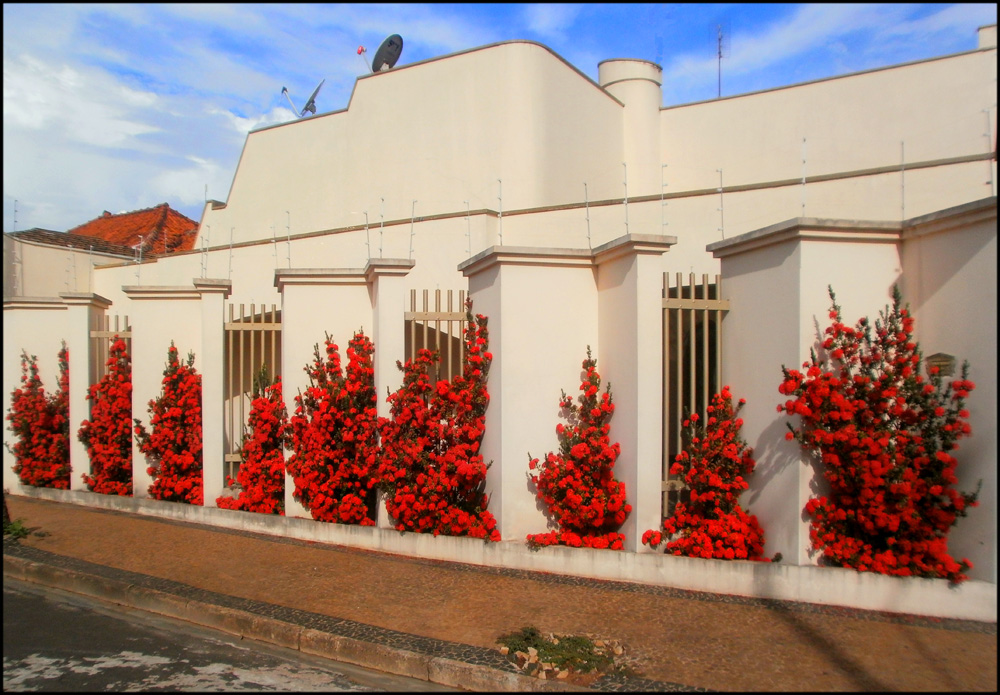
[160,229]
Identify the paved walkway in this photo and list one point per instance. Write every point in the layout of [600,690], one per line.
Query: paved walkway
[440,620]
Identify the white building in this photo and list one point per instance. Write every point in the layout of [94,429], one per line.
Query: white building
[559,204]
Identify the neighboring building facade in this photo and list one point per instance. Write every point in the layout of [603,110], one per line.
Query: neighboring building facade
[43,263]
[559,204]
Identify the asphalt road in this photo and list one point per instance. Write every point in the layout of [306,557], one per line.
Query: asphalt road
[59,641]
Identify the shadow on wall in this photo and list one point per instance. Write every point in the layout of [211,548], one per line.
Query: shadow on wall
[936,269]
[776,453]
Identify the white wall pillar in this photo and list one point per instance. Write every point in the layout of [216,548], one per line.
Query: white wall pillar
[386,278]
[81,310]
[36,325]
[947,257]
[213,374]
[159,315]
[776,281]
[630,318]
[316,302]
[538,347]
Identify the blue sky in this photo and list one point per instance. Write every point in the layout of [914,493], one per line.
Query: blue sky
[121,107]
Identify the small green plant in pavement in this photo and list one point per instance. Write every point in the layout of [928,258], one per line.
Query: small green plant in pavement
[558,656]
[15,529]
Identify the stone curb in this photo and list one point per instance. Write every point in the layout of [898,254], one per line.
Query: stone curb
[380,657]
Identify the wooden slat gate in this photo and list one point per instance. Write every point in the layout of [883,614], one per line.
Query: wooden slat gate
[437,329]
[101,333]
[252,340]
[692,363]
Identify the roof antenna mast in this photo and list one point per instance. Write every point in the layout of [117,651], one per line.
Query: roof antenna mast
[722,31]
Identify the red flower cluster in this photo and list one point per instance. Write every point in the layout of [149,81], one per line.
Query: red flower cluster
[716,464]
[261,475]
[334,431]
[430,468]
[577,484]
[41,424]
[108,433]
[884,435]
[175,444]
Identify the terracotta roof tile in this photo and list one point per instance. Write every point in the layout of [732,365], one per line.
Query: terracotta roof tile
[160,229]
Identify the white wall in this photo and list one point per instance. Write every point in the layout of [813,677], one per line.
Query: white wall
[440,132]
[949,281]
[776,281]
[851,122]
[38,327]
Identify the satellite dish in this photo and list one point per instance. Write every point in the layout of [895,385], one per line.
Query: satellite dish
[310,106]
[388,53]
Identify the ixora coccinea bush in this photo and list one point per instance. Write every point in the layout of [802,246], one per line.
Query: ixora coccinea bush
[108,433]
[261,475]
[716,464]
[333,435]
[885,436]
[576,483]
[174,441]
[430,467]
[41,424]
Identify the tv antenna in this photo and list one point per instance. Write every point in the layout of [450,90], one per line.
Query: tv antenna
[361,51]
[387,54]
[310,106]
[722,43]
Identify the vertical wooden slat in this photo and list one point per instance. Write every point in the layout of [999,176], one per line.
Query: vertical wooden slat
[251,319]
[704,343]
[229,393]
[253,370]
[463,326]
[450,326]
[679,386]
[274,343]
[691,348]
[437,333]
[426,305]
[718,335]
[413,326]
[240,382]
[666,395]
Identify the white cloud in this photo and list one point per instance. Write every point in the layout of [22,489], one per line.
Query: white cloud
[550,21]
[953,19]
[84,106]
[242,126]
[186,185]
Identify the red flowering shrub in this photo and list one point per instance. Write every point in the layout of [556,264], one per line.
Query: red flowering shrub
[174,443]
[884,435]
[41,425]
[430,468]
[716,464]
[334,432]
[577,483]
[261,476]
[108,433]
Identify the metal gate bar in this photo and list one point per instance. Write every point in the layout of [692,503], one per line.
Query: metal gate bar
[692,363]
